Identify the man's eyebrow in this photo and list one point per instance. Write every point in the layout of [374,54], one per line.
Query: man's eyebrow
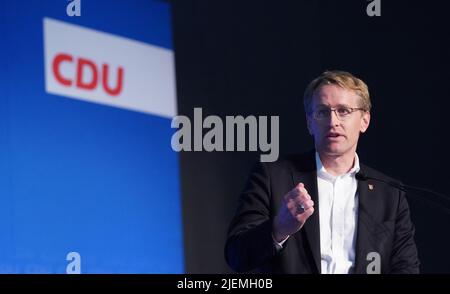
[342,105]
[328,106]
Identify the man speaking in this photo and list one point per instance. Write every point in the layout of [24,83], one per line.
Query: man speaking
[309,213]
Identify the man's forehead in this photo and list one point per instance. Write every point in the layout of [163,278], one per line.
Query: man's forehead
[333,94]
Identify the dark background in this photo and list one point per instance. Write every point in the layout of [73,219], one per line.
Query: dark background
[256,58]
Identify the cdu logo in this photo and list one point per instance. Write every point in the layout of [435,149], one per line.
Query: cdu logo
[74,8]
[374,8]
[131,75]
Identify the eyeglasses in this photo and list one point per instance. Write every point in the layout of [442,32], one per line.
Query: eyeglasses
[342,113]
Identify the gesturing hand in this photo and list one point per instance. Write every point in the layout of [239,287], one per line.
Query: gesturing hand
[295,209]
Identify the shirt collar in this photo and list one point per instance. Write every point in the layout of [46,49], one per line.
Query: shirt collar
[322,172]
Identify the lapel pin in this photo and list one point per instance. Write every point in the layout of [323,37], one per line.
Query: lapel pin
[370,187]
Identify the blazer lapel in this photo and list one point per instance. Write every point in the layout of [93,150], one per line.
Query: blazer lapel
[305,172]
[368,228]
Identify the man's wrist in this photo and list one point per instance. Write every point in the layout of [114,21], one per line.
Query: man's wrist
[280,240]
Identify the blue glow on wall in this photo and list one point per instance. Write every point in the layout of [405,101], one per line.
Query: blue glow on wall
[79,176]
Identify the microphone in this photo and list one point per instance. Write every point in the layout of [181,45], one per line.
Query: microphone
[361,176]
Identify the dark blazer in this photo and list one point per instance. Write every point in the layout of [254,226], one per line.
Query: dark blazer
[384,224]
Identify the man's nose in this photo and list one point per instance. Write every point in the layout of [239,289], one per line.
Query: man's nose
[334,120]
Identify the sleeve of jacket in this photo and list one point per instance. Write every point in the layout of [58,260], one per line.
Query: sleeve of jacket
[404,258]
[249,243]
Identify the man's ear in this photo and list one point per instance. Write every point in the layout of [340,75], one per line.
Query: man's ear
[365,121]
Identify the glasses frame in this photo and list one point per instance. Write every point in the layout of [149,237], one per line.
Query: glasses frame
[352,110]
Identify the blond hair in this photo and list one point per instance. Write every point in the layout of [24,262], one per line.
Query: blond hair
[342,79]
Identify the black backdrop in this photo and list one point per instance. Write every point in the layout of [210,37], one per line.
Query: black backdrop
[256,57]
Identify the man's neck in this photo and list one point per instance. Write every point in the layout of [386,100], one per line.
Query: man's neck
[338,164]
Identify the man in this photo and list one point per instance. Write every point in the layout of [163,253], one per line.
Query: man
[309,214]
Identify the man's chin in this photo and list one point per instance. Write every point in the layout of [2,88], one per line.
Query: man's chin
[332,151]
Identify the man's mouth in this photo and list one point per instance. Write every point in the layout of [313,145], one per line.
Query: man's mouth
[333,135]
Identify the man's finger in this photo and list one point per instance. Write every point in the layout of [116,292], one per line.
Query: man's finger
[307,204]
[302,197]
[303,190]
[302,217]
[309,212]
[294,193]
[304,205]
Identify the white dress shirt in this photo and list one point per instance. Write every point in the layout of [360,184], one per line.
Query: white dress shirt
[338,215]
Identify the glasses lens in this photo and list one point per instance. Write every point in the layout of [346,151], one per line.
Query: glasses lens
[321,113]
[342,112]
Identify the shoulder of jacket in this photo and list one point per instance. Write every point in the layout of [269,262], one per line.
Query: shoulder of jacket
[371,172]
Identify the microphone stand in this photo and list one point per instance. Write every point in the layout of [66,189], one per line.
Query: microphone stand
[409,190]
